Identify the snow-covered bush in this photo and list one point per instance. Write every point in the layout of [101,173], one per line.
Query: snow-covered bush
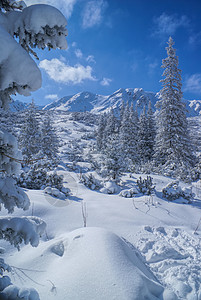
[55,180]
[57,193]
[90,181]
[173,191]
[145,185]
[129,193]
[36,177]
[110,187]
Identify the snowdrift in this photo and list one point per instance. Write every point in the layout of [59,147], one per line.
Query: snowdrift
[92,263]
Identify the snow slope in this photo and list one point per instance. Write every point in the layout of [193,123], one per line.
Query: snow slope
[133,248]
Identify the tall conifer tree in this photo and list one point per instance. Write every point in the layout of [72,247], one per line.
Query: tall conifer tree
[173,148]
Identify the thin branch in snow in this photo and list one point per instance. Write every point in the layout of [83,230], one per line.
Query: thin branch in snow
[198,225]
[84,213]
[53,288]
[15,269]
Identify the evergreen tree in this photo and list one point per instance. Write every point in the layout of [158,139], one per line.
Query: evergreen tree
[151,131]
[49,140]
[128,135]
[122,110]
[111,126]
[143,144]
[30,136]
[114,160]
[173,148]
[134,125]
[100,132]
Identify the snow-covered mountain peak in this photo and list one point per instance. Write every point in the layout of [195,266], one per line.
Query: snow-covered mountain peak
[87,101]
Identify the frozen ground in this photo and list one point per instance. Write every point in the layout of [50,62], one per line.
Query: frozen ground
[133,248]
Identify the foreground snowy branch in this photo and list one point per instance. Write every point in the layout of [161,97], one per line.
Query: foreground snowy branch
[24,229]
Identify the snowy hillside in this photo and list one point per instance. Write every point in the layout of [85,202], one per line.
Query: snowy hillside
[137,248]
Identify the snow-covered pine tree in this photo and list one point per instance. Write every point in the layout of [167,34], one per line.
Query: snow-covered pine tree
[173,146]
[100,132]
[49,140]
[114,160]
[20,74]
[134,129]
[124,132]
[122,110]
[151,131]
[143,144]
[111,126]
[128,136]
[30,136]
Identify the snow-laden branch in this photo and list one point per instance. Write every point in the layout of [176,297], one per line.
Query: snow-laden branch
[17,230]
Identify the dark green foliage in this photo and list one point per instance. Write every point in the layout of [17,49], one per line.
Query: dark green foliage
[145,185]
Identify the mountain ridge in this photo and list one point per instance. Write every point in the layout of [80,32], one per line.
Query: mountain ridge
[95,103]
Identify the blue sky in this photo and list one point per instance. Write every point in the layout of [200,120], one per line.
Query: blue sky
[116,44]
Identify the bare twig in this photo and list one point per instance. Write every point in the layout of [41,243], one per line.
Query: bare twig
[53,288]
[198,225]
[84,213]
[134,204]
[15,269]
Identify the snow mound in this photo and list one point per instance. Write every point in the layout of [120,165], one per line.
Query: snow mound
[56,193]
[110,187]
[96,264]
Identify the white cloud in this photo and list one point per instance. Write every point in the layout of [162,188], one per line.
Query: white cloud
[106,81]
[195,39]
[61,72]
[93,13]
[152,66]
[168,24]
[52,97]
[74,44]
[90,59]
[78,53]
[134,66]
[66,6]
[193,83]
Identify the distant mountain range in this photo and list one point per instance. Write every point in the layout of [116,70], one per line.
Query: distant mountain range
[86,101]
[19,106]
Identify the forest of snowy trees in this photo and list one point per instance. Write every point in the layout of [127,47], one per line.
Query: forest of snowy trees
[152,142]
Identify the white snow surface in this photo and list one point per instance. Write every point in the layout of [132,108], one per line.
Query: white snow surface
[132,248]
